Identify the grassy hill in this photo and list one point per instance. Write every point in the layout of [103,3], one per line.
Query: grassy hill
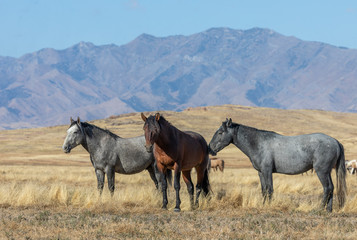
[46,194]
[43,145]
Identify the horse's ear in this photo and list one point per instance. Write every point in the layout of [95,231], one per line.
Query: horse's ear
[143,117]
[224,126]
[157,117]
[229,122]
[78,120]
[71,119]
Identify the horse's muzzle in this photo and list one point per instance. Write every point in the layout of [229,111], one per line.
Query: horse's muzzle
[210,151]
[66,149]
[148,148]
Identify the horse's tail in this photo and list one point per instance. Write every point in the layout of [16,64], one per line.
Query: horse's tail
[341,177]
[205,183]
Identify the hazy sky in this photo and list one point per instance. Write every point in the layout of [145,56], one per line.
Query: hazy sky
[30,25]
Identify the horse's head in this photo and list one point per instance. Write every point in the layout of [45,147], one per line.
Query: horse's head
[75,136]
[151,129]
[222,138]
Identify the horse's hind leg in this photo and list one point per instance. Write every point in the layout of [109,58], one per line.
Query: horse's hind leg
[100,180]
[187,178]
[202,182]
[152,173]
[326,181]
[266,181]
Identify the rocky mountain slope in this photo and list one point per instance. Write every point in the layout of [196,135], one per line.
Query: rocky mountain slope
[255,67]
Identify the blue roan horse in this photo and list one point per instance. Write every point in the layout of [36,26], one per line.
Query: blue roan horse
[270,153]
[110,153]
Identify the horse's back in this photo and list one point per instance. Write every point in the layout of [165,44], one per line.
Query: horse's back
[297,154]
[304,143]
[198,138]
[132,155]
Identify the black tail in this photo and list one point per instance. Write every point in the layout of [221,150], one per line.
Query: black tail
[205,183]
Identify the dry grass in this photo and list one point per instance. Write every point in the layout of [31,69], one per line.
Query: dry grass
[45,194]
[62,202]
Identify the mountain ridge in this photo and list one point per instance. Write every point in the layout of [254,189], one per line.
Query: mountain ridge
[254,67]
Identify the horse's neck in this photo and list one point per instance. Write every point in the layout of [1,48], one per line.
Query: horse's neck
[93,137]
[247,139]
[167,140]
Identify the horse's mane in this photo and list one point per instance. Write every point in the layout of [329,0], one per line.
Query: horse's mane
[90,127]
[163,120]
[166,123]
[234,125]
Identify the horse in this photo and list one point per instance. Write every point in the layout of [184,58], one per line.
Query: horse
[110,153]
[216,164]
[179,151]
[351,166]
[270,152]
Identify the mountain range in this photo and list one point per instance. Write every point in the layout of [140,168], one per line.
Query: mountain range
[254,67]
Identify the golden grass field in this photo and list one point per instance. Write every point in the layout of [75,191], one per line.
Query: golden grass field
[46,194]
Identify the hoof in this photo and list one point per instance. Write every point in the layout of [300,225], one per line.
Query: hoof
[194,207]
[177,210]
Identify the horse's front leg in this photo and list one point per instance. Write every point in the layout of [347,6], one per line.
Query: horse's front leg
[111,179]
[164,189]
[262,183]
[177,187]
[100,180]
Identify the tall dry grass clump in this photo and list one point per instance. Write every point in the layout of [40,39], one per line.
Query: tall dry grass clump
[235,188]
[56,205]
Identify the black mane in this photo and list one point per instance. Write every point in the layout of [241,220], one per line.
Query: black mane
[234,125]
[88,128]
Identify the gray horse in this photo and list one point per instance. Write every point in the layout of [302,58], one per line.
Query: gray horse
[270,153]
[110,153]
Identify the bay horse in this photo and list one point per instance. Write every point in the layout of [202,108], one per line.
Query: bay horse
[270,152]
[179,151]
[110,153]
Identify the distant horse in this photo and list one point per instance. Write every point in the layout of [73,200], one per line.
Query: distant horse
[110,153]
[216,164]
[180,151]
[270,153]
[351,166]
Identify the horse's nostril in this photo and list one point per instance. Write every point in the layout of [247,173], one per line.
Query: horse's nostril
[148,148]
[66,149]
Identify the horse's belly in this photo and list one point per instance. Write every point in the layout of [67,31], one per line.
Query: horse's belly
[292,165]
[132,166]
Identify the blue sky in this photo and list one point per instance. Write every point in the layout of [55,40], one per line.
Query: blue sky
[29,25]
